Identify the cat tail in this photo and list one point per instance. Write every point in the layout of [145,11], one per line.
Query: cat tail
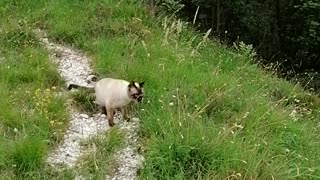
[92,79]
[76,86]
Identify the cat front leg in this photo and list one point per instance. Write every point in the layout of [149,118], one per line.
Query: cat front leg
[124,114]
[110,112]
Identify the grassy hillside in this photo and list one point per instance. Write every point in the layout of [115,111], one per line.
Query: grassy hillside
[208,112]
[32,115]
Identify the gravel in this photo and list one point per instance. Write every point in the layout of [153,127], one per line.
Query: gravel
[127,158]
[74,67]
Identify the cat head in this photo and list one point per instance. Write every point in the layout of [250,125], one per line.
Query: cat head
[136,91]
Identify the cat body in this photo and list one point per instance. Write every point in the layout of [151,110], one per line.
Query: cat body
[112,94]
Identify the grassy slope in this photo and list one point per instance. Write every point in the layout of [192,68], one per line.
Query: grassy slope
[32,118]
[226,118]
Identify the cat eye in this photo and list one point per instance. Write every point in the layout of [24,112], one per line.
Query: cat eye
[137,96]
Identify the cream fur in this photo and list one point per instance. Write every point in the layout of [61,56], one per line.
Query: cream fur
[112,93]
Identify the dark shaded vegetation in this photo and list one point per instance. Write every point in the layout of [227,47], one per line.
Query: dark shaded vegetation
[286,34]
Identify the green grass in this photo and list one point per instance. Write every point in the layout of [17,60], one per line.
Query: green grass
[84,101]
[209,113]
[100,160]
[32,117]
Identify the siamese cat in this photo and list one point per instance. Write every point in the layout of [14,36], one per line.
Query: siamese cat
[112,94]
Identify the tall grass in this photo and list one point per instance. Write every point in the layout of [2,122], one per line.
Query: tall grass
[208,113]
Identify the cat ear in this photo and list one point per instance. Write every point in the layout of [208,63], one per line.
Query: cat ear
[131,84]
[141,84]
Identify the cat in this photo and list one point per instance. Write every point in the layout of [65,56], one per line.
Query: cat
[112,94]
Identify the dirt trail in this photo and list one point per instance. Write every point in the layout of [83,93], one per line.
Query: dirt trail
[74,67]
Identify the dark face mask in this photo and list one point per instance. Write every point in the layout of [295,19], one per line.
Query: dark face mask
[139,98]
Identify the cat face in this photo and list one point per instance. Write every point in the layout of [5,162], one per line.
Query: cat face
[136,91]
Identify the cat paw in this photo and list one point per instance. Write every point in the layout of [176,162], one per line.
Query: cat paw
[111,124]
[127,119]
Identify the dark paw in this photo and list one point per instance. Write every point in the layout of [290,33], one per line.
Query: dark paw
[103,110]
[111,124]
[127,119]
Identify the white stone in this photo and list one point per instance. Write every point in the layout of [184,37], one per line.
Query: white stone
[84,116]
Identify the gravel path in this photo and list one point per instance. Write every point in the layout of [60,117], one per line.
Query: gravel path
[74,67]
[128,158]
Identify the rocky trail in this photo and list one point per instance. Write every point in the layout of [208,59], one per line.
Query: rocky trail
[74,67]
